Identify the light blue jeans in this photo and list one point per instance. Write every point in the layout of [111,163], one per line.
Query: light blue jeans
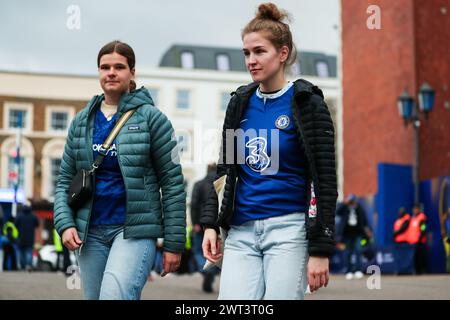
[114,268]
[266,259]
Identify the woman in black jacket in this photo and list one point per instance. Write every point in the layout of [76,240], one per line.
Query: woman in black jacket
[278,160]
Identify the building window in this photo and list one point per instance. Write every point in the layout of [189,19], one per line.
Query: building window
[223,62]
[154,94]
[183,97]
[14,115]
[322,69]
[55,165]
[183,143]
[224,99]
[12,174]
[59,120]
[187,60]
[11,113]
[8,174]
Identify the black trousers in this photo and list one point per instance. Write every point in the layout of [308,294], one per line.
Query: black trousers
[9,254]
[420,258]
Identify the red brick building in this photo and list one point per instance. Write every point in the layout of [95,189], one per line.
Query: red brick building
[387,47]
[411,47]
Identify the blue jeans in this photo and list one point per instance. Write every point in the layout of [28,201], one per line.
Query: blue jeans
[26,257]
[114,268]
[200,260]
[266,259]
[353,247]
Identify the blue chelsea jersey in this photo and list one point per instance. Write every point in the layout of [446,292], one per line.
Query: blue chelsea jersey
[110,196]
[271,161]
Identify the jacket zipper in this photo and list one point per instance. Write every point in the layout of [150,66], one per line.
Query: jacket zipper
[124,183]
[91,158]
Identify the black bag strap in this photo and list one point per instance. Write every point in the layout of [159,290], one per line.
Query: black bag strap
[103,151]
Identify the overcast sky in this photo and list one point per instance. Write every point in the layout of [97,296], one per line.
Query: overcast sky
[35,37]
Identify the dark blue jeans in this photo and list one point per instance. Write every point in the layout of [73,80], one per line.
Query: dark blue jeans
[352,247]
[26,257]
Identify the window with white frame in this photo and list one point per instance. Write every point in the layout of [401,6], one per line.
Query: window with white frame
[13,112]
[183,143]
[58,117]
[55,164]
[12,172]
[183,99]
[52,153]
[224,99]
[8,176]
[223,62]
[59,120]
[187,60]
[17,118]
[322,69]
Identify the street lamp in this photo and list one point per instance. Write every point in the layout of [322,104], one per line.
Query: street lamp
[410,111]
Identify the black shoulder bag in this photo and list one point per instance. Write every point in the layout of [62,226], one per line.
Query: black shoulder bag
[82,185]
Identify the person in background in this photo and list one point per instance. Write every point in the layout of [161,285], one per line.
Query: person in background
[446,237]
[26,223]
[354,229]
[62,253]
[198,202]
[404,254]
[9,244]
[418,238]
[401,226]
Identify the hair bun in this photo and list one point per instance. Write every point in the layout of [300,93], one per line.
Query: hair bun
[271,12]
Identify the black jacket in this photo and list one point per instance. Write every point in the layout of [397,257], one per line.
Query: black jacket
[200,196]
[26,224]
[360,230]
[316,132]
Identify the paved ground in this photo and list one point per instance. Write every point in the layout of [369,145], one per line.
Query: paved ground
[40,285]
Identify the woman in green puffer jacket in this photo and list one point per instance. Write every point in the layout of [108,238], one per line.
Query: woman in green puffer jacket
[139,192]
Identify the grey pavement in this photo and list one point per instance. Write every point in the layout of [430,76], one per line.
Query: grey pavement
[53,286]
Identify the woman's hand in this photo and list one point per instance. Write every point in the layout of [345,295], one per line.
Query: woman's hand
[211,245]
[70,239]
[171,262]
[318,272]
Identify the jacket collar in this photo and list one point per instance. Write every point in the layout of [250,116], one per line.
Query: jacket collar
[128,101]
[301,86]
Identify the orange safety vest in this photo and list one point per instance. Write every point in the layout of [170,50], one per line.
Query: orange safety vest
[402,237]
[414,231]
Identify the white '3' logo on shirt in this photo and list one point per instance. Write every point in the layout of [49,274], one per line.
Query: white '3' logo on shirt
[258,160]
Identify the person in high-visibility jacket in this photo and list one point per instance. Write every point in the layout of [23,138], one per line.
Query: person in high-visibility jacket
[446,236]
[62,253]
[11,234]
[186,264]
[417,236]
[14,230]
[401,226]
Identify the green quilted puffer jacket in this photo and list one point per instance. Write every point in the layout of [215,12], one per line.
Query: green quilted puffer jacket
[149,161]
